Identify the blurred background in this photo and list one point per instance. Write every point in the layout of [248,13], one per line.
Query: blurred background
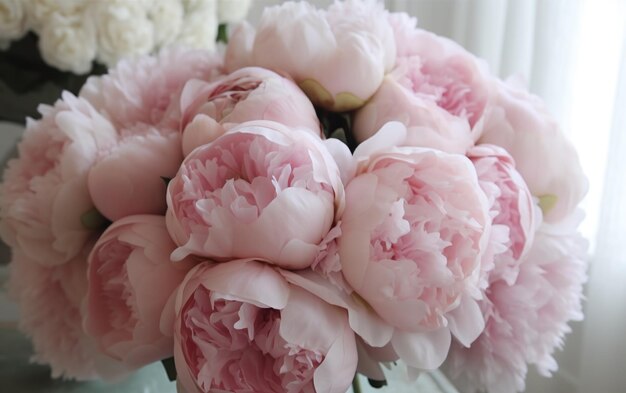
[572,53]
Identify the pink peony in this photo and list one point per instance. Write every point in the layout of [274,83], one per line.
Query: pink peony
[242,328]
[46,209]
[437,89]
[525,321]
[246,94]
[141,97]
[133,178]
[520,123]
[131,279]
[330,286]
[404,28]
[440,70]
[414,231]
[337,56]
[427,124]
[327,262]
[45,204]
[141,90]
[50,300]
[248,193]
[514,214]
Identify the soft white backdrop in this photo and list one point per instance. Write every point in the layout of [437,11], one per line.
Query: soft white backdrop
[573,54]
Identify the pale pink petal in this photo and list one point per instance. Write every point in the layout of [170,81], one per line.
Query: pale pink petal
[520,123]
[389,135]
[132,179]
[258,175]
[338,56]
[123,309]
[466,321]
[235,341]
[362,319]
[233,278]
[425,350]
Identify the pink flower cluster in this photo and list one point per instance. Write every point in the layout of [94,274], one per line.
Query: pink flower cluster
[195,205]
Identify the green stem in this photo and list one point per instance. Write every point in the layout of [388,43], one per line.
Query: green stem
[170,368]
[356,385]
[222,34]
[92,219]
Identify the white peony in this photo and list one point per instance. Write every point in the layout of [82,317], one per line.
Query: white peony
[230,11]
[123,29]
[72,33]
[196,5]
[12,19]
[40,11]
[200,25]
[167,17]
[68,43]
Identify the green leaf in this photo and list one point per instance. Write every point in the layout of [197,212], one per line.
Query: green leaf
[337,125]
[356,386]
[547,202]
[222,33]
[94,220]
[170,368]
[377,384]
[339,134]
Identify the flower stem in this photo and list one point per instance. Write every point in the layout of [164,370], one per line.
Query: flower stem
[356,386]
[170,368]
[222,34]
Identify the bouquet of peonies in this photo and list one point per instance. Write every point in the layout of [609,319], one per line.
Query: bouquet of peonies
[74,33]
[338,191]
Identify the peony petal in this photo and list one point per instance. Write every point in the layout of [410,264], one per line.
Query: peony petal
[200,131]
[247,280]
[362,318]
[168,315]
[70,203]
[335,373]
[390,135]
[123,310]
[343,158]
[425,350]
[367,365]
[466,322]
[183,373]
[295,251]
[309,322]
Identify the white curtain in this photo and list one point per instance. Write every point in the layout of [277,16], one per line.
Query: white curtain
[573,54]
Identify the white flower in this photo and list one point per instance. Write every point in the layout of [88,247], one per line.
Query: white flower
[196,5]
[68,43]
[200,25]
[123,29]
[40,11]
[167,17]
[12,19]
[75,32]
[230,11]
